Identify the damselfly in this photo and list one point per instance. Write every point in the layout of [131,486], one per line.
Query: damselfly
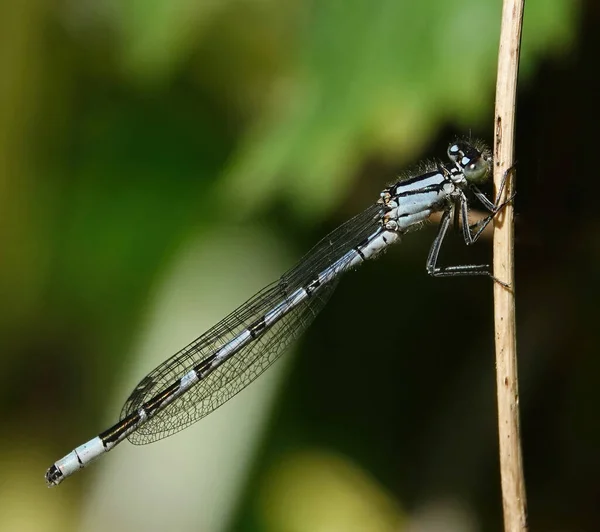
[225,359]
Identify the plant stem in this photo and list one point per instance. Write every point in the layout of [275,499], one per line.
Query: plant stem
[514,497]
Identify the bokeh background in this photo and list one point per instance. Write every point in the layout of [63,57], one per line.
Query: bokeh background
[163,160]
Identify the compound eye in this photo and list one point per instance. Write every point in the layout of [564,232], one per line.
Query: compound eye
[476,170]
[474,162]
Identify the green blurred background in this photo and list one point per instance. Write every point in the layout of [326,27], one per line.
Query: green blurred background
[162,160]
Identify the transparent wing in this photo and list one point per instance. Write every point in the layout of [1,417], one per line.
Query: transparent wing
[243,367]
[233,375]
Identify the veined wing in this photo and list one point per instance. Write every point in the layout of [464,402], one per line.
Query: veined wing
[249,362]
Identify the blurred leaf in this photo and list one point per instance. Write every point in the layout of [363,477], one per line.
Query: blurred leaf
[159,35]
[356,78]
[316,490]
[378,77]
[139,181]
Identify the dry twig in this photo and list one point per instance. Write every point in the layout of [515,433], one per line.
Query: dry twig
[511,462]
